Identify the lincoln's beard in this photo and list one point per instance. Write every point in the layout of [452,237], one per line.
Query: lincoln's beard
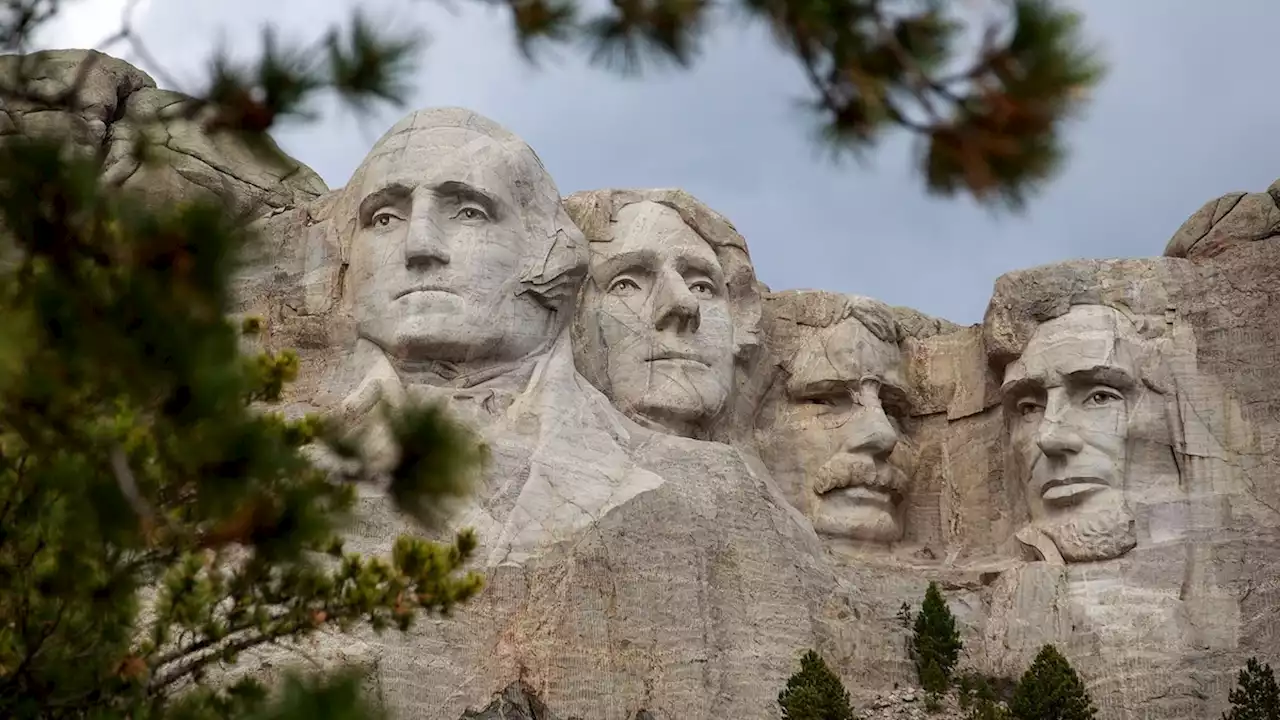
[1100,534]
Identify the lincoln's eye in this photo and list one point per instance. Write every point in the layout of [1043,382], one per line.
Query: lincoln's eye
[1101,396]
[472,213]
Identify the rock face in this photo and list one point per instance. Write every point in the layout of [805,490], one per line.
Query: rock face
[115,104]
[695,479]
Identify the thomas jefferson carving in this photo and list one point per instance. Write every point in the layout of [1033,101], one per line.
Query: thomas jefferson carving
[668,310]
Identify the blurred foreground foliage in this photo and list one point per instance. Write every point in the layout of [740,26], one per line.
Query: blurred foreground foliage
[984,87]
[157,518]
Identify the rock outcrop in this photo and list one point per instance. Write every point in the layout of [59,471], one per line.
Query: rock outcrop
[695,478]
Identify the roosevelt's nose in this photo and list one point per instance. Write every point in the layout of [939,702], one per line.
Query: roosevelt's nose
[870,433]
[425,243]
[1056,435]
[675,306]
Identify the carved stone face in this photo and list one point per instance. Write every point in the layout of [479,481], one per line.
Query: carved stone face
[1071,402]
[657,304]
[441,242]
[828,431]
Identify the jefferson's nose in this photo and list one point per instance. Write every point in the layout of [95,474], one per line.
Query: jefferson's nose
[675,305]
[425,243]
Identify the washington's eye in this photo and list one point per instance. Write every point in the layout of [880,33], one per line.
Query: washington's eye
[703,287]
[471,212]
[624,285]
[1102,396]
[823,401]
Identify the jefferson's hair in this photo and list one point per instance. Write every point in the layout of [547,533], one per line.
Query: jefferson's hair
[596,211]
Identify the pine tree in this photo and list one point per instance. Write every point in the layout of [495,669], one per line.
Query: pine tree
[988,121]
[1051,690]
[814,693]
[1256,696]
[932,678]
[157,519]
[936,641]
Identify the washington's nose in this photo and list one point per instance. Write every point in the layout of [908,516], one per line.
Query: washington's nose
[424,244]
[676,307]
[871,434]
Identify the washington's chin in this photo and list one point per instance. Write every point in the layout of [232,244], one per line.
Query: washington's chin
[447,341]
[860,514]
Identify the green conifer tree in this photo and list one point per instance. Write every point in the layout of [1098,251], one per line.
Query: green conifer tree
[1051,690]
[932,678]
[157,518]
[814,693]
[936,641]
[1256,695]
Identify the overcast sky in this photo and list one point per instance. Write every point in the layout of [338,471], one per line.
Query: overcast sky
[1188,112]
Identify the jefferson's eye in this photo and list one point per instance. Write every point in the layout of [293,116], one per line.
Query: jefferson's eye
[471,212]
[384,218]
[703,287]
[1102,396]
[624,285]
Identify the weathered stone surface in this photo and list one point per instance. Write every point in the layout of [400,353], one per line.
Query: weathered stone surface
[1096,465]
[113,103]
[1234,217]
[513,703]
[631,567]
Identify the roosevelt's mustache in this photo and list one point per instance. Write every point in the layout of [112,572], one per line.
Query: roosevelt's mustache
[848,470]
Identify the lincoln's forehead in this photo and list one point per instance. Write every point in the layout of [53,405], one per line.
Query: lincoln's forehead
[1088,337]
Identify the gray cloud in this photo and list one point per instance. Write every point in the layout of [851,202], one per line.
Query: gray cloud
[1185,115]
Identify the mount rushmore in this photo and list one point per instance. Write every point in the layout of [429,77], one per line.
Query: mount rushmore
[693,478]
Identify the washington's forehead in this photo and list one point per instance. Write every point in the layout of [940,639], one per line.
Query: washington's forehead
[441,157]
[446,118]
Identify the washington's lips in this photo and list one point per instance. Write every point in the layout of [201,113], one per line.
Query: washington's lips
[423,288]
[1070,489]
